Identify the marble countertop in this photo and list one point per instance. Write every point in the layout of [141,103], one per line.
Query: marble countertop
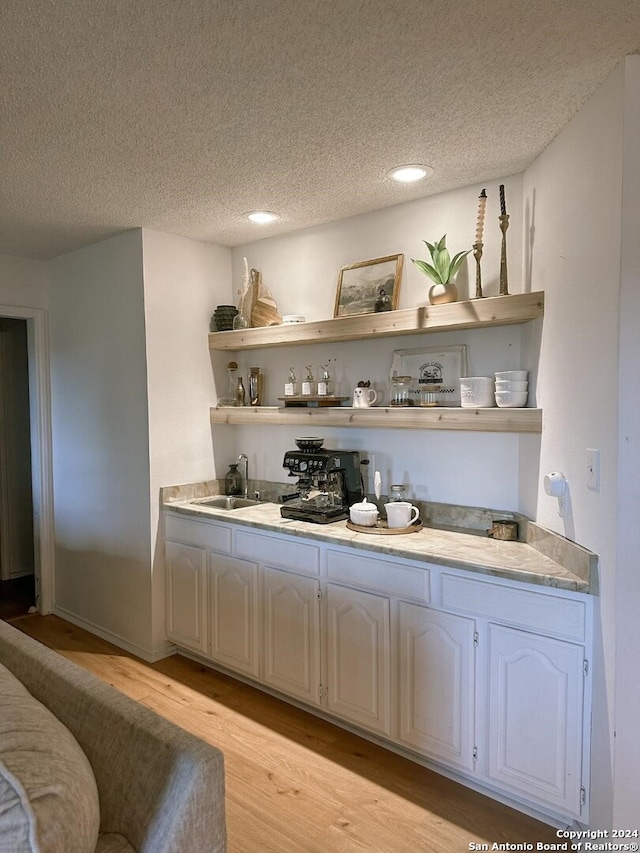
[545,559]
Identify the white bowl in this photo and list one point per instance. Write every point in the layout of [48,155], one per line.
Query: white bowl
[293,318]
[511,399]
[513,375]
[508,385]
[364,514]
[477,392]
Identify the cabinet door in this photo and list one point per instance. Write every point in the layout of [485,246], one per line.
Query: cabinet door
[535,716]
[234,613]
[359,667]
[437,684]
[187,595]
[291,634]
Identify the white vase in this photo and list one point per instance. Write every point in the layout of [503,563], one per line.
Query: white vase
[441,293]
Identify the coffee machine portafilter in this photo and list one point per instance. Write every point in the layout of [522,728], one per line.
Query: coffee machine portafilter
[329,481]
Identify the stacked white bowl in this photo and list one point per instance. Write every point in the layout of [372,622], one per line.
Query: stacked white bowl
[512,389]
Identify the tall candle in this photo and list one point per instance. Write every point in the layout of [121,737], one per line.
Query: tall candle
[503,206]
[482,203]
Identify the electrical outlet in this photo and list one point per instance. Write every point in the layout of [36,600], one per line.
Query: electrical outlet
[593,469]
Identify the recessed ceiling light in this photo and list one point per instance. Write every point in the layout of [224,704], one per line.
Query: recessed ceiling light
[410,173]
[262,217]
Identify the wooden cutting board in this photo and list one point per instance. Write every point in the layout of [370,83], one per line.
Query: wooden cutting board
[259,305]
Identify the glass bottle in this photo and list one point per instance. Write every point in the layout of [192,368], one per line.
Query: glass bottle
[240,393]
[255,386]
[240,321]
[308,383]
[233,480]
[291,387]
[229,399]
[325,385]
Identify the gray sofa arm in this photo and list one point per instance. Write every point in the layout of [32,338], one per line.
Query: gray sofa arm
[159,786]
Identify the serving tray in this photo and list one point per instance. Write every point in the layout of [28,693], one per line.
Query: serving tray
[381,527]
[311,401]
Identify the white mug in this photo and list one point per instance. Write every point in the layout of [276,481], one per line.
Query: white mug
[364,397]
[401,513]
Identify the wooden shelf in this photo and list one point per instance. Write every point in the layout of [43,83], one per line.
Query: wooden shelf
[472,420]
[472,314]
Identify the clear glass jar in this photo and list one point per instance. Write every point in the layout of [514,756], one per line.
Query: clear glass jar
[400,394]
[398,492]
[429,395]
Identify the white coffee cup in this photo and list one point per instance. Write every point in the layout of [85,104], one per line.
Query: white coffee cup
[364,397]
[401,513]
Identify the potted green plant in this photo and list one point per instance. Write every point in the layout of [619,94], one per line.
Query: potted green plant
[442,271]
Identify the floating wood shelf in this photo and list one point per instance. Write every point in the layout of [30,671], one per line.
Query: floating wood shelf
[471,314]
[473,420]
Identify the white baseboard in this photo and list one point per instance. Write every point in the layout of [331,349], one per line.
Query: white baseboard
[148,655]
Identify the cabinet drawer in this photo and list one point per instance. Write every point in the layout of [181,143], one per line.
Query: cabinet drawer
[551,614]
[204,534]
[277,551]
[384,575]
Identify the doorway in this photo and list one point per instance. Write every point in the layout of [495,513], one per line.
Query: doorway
[17,557]
[30,568]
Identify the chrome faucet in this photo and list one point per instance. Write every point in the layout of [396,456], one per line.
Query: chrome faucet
[243,456]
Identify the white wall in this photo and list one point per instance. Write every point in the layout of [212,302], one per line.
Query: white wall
[184,280]
[627,684]
[100,440]
[132,385]
[572,196]
[23,282]
[301,270]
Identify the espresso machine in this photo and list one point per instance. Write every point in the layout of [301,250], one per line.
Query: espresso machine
[329,481]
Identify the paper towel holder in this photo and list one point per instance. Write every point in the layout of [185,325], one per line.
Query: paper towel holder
[556,485]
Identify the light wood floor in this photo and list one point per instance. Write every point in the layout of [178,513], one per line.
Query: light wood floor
[297,784]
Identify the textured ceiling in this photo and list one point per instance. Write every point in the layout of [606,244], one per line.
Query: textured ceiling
[182,115]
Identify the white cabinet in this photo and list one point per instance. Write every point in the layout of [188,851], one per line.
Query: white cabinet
[291,633]
[359,657]
[234,613]
[535,706]
[186,567]
[437,684]
[477,675]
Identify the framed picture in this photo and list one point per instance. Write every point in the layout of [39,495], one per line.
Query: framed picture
[369,287]
[441,366]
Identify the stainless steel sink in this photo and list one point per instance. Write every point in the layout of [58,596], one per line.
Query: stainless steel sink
[227,502]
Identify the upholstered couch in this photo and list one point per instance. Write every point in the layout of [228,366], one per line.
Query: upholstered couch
[84,768]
